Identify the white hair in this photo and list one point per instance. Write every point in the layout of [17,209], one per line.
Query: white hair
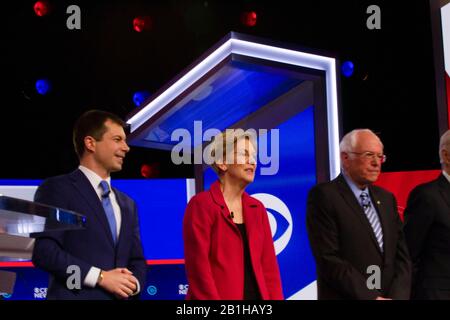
[444,144]
[348,142]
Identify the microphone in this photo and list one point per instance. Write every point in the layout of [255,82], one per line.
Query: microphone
[231,215]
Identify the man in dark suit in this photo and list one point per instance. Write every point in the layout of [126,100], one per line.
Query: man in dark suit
[108,252]
[354,228]
[427,232]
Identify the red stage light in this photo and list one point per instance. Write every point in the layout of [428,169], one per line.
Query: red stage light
[146,171]
[249,18]
[142,23]
[150,170]
[41,8]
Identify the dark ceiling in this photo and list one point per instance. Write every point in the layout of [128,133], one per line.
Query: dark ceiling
[103,64]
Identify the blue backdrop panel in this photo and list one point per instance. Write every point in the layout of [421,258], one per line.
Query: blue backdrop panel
[161,204]
[164,282]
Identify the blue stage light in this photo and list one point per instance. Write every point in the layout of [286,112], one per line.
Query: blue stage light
[139,97]
[347,68]
[43,86]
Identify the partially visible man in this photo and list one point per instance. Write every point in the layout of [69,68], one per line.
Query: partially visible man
[427,231]
[109,251]
[354,229]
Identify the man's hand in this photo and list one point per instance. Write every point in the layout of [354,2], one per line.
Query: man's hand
[134,279]
[119,281]
[381,298]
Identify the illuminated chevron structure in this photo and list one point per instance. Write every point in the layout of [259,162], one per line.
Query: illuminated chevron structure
[252,83]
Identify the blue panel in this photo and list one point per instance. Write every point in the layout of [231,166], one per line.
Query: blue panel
[161,204]
[164,282]
[31,284]
[19,182]
[297,175]
[238,90]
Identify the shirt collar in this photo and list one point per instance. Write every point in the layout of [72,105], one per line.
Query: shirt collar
[446,175]
[356,191]
[93,178]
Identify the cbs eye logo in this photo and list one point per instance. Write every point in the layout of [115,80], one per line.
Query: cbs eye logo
[280,220]
[5,295]
[152,290]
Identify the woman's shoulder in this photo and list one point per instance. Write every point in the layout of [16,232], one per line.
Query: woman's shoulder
[202,206]
[210,196]
[202,198]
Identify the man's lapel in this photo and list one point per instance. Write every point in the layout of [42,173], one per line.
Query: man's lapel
[356,208]
[444,189]
[383,214]
[84,187]
[125,218]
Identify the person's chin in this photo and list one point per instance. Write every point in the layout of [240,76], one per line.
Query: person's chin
[373,178]
[116,168]
[249,179]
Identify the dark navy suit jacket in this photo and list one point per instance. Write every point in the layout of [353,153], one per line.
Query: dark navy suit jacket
[427,232]
[93,246]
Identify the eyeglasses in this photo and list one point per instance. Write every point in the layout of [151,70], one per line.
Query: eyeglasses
[371,155]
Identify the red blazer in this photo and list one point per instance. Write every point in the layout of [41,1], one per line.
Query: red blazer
[213,248]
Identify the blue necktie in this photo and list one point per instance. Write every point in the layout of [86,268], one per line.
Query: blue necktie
[373,218]
[107,205]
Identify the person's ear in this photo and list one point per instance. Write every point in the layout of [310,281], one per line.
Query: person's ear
[446,156]
[223,167]
[345,157]
[89,143]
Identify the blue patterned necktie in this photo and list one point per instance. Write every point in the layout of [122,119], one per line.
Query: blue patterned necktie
[107,205]
[373,218]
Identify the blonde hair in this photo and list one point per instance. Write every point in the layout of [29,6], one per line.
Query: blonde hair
[225,142]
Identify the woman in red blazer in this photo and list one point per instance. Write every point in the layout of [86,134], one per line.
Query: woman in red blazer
[228,246]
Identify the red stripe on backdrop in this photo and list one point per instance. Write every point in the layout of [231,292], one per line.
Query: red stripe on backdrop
[165,261]
[16,264]
[401,184]
[22,264]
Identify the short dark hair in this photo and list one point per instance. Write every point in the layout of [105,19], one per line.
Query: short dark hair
[92,123]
